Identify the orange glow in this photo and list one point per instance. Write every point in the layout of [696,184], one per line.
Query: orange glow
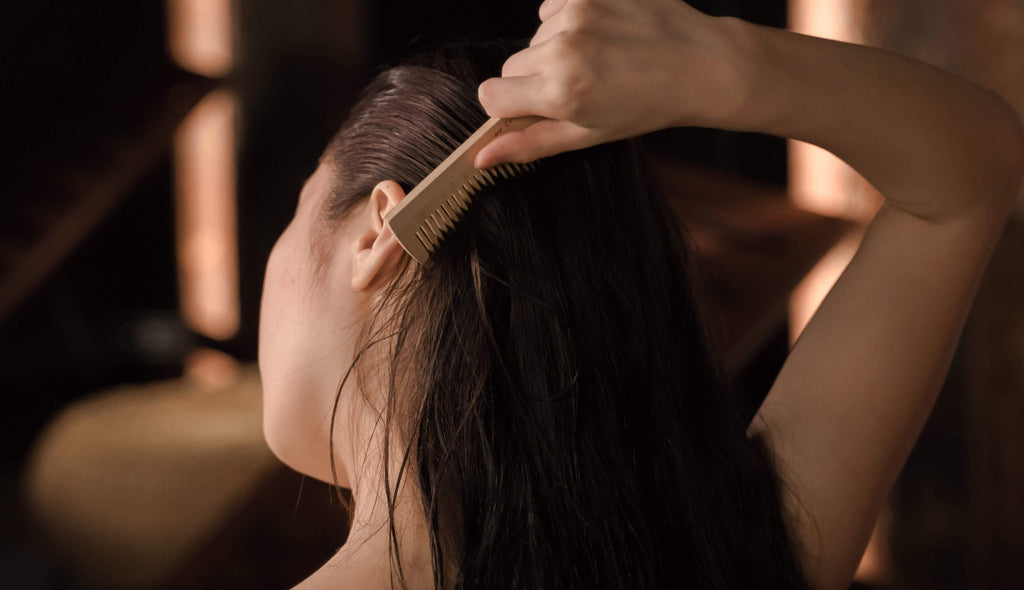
[876,567]
[199,35]
[832,19]
[204,155]
[818,180]
[812,289]
[211,370]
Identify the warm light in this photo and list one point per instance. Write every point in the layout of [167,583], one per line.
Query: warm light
[821,182]
[211,370]
[812,289]
[831,19]
[204,157]
[818,180]
[199,35]
[876,567]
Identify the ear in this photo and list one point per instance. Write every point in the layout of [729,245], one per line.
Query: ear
[376,247]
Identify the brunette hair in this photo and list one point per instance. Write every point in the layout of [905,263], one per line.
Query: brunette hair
[550,383]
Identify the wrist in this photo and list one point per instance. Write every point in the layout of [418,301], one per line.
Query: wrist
[754,92]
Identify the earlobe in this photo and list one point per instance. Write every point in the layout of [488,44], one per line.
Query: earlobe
[376,248]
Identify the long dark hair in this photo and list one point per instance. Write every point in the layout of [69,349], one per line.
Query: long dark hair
[551,387]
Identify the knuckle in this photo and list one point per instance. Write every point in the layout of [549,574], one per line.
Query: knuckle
[572,18]
[568,43]
[580,16]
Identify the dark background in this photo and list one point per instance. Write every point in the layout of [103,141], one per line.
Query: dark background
[90,100]
[83,84]
[70,74]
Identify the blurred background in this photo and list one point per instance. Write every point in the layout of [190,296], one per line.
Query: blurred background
[153,151]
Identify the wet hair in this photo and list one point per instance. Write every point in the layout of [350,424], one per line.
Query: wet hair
[550,384]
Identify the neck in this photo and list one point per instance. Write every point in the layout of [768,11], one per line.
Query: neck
[366,560]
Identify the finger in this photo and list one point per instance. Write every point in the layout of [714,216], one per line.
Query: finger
[564,20]
[550,7]
[540,140]
[525,62]
[512,97]
[544,32]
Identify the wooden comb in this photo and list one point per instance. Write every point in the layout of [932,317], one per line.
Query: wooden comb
[430,211]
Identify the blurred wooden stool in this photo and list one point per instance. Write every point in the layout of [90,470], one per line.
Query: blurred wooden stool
[131,483]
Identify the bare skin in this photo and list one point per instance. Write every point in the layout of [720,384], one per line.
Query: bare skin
[948,155]
[858,385]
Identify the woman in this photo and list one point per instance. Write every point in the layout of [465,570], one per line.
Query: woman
[540,407]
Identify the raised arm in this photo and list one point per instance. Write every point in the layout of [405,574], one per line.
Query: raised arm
[947,154]
[857,387]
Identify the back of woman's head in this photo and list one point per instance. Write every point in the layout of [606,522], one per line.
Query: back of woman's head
[550,382]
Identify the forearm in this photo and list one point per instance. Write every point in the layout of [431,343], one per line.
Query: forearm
[857,387]
[936,145]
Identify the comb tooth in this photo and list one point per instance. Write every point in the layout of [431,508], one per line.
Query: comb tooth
[449,216]
[463,196]
[446,213]
[440,223]
[468,189]
[440,216]
[430,229]
[446,219]
[435,236]
[428,225]
[453,214]
[432,236]
[488,176]
[422,237]
[463,201]
[451,209]
[455,204]
[454,207]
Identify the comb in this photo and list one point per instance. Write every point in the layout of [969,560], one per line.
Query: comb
[430,211]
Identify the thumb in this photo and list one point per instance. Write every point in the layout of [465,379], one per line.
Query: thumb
[540,140]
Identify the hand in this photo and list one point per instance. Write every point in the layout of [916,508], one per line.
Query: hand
[602,70]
